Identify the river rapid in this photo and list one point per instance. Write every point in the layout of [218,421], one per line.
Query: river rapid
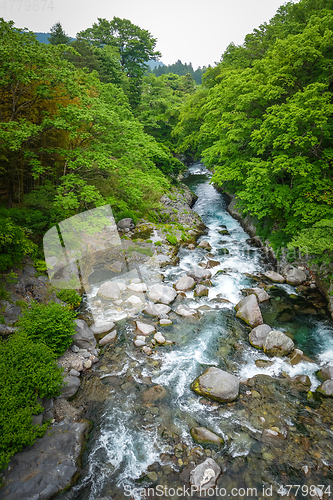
[139,443]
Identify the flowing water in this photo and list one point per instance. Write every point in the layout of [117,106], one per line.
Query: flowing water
[137,443]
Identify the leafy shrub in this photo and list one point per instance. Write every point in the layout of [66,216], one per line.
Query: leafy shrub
[127,214]
[14,243]
[171,239]
[27,371]
[71,297]
[158,243]
[51,324]
[40,266]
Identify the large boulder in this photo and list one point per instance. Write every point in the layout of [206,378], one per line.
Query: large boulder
[204,436]
[216,384]
[185,311]
[109,290]
[185,283]
[275,276]
[258,335]
[72,385]
[137,287]
[294,276]
[126,223]
[159,310]
[144,328]
[204,476]
[326,373]
[102,327]
[277,344]
[205,244]
[48,466]
[326,388]
[260,293]
[200,291]
[108,338]
[84,337]
[162,293]
[199,274]
[248,310]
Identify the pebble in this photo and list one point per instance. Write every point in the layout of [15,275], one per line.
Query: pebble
[164,322]
[74,373]
[147,350]
[75,348]
[139,342]
[93,359]
[77,365]
[159,338]
[87,364]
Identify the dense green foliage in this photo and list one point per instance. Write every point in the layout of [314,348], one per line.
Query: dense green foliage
[263,123]
[27,371]
[50,324]
[14,243]
[178,68]
[71,297]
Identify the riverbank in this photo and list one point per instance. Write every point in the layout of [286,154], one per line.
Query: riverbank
[321,273]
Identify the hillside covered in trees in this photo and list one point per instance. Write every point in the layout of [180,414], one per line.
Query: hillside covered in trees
[262,120]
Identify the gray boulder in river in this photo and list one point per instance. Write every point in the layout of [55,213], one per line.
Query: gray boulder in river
[294,276]
[326,388]
[277,344]
[258,335]
[199,274]
[216,384]
[84,337]
[162,293]
[248,310]
[204,476]
[185,283]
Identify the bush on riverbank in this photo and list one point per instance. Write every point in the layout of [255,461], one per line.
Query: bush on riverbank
[27,371]
[50,324]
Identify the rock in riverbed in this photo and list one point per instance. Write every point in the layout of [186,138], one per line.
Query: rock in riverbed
[275,276]
[205,475]
[162,293]
[277,344]
[258,335]
[248,310]
[84,337]
[204,436]
[216,384]
[185,283]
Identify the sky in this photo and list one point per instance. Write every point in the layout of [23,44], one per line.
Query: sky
[196,31]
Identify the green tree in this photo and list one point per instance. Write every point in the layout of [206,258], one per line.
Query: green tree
[135,45]
[58,35]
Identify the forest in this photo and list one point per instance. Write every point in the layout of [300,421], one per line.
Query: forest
[85,123]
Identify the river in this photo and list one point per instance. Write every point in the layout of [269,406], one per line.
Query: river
[135,444]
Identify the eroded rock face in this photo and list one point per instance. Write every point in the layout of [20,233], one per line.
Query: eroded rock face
[205,475]
[204,436]
[162,293]
[84,337]
[272,275]
[277,344]
[258,335]
[216,384]
[185,283]
[48,466]
[294,276]
[248,310]
[199,274]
